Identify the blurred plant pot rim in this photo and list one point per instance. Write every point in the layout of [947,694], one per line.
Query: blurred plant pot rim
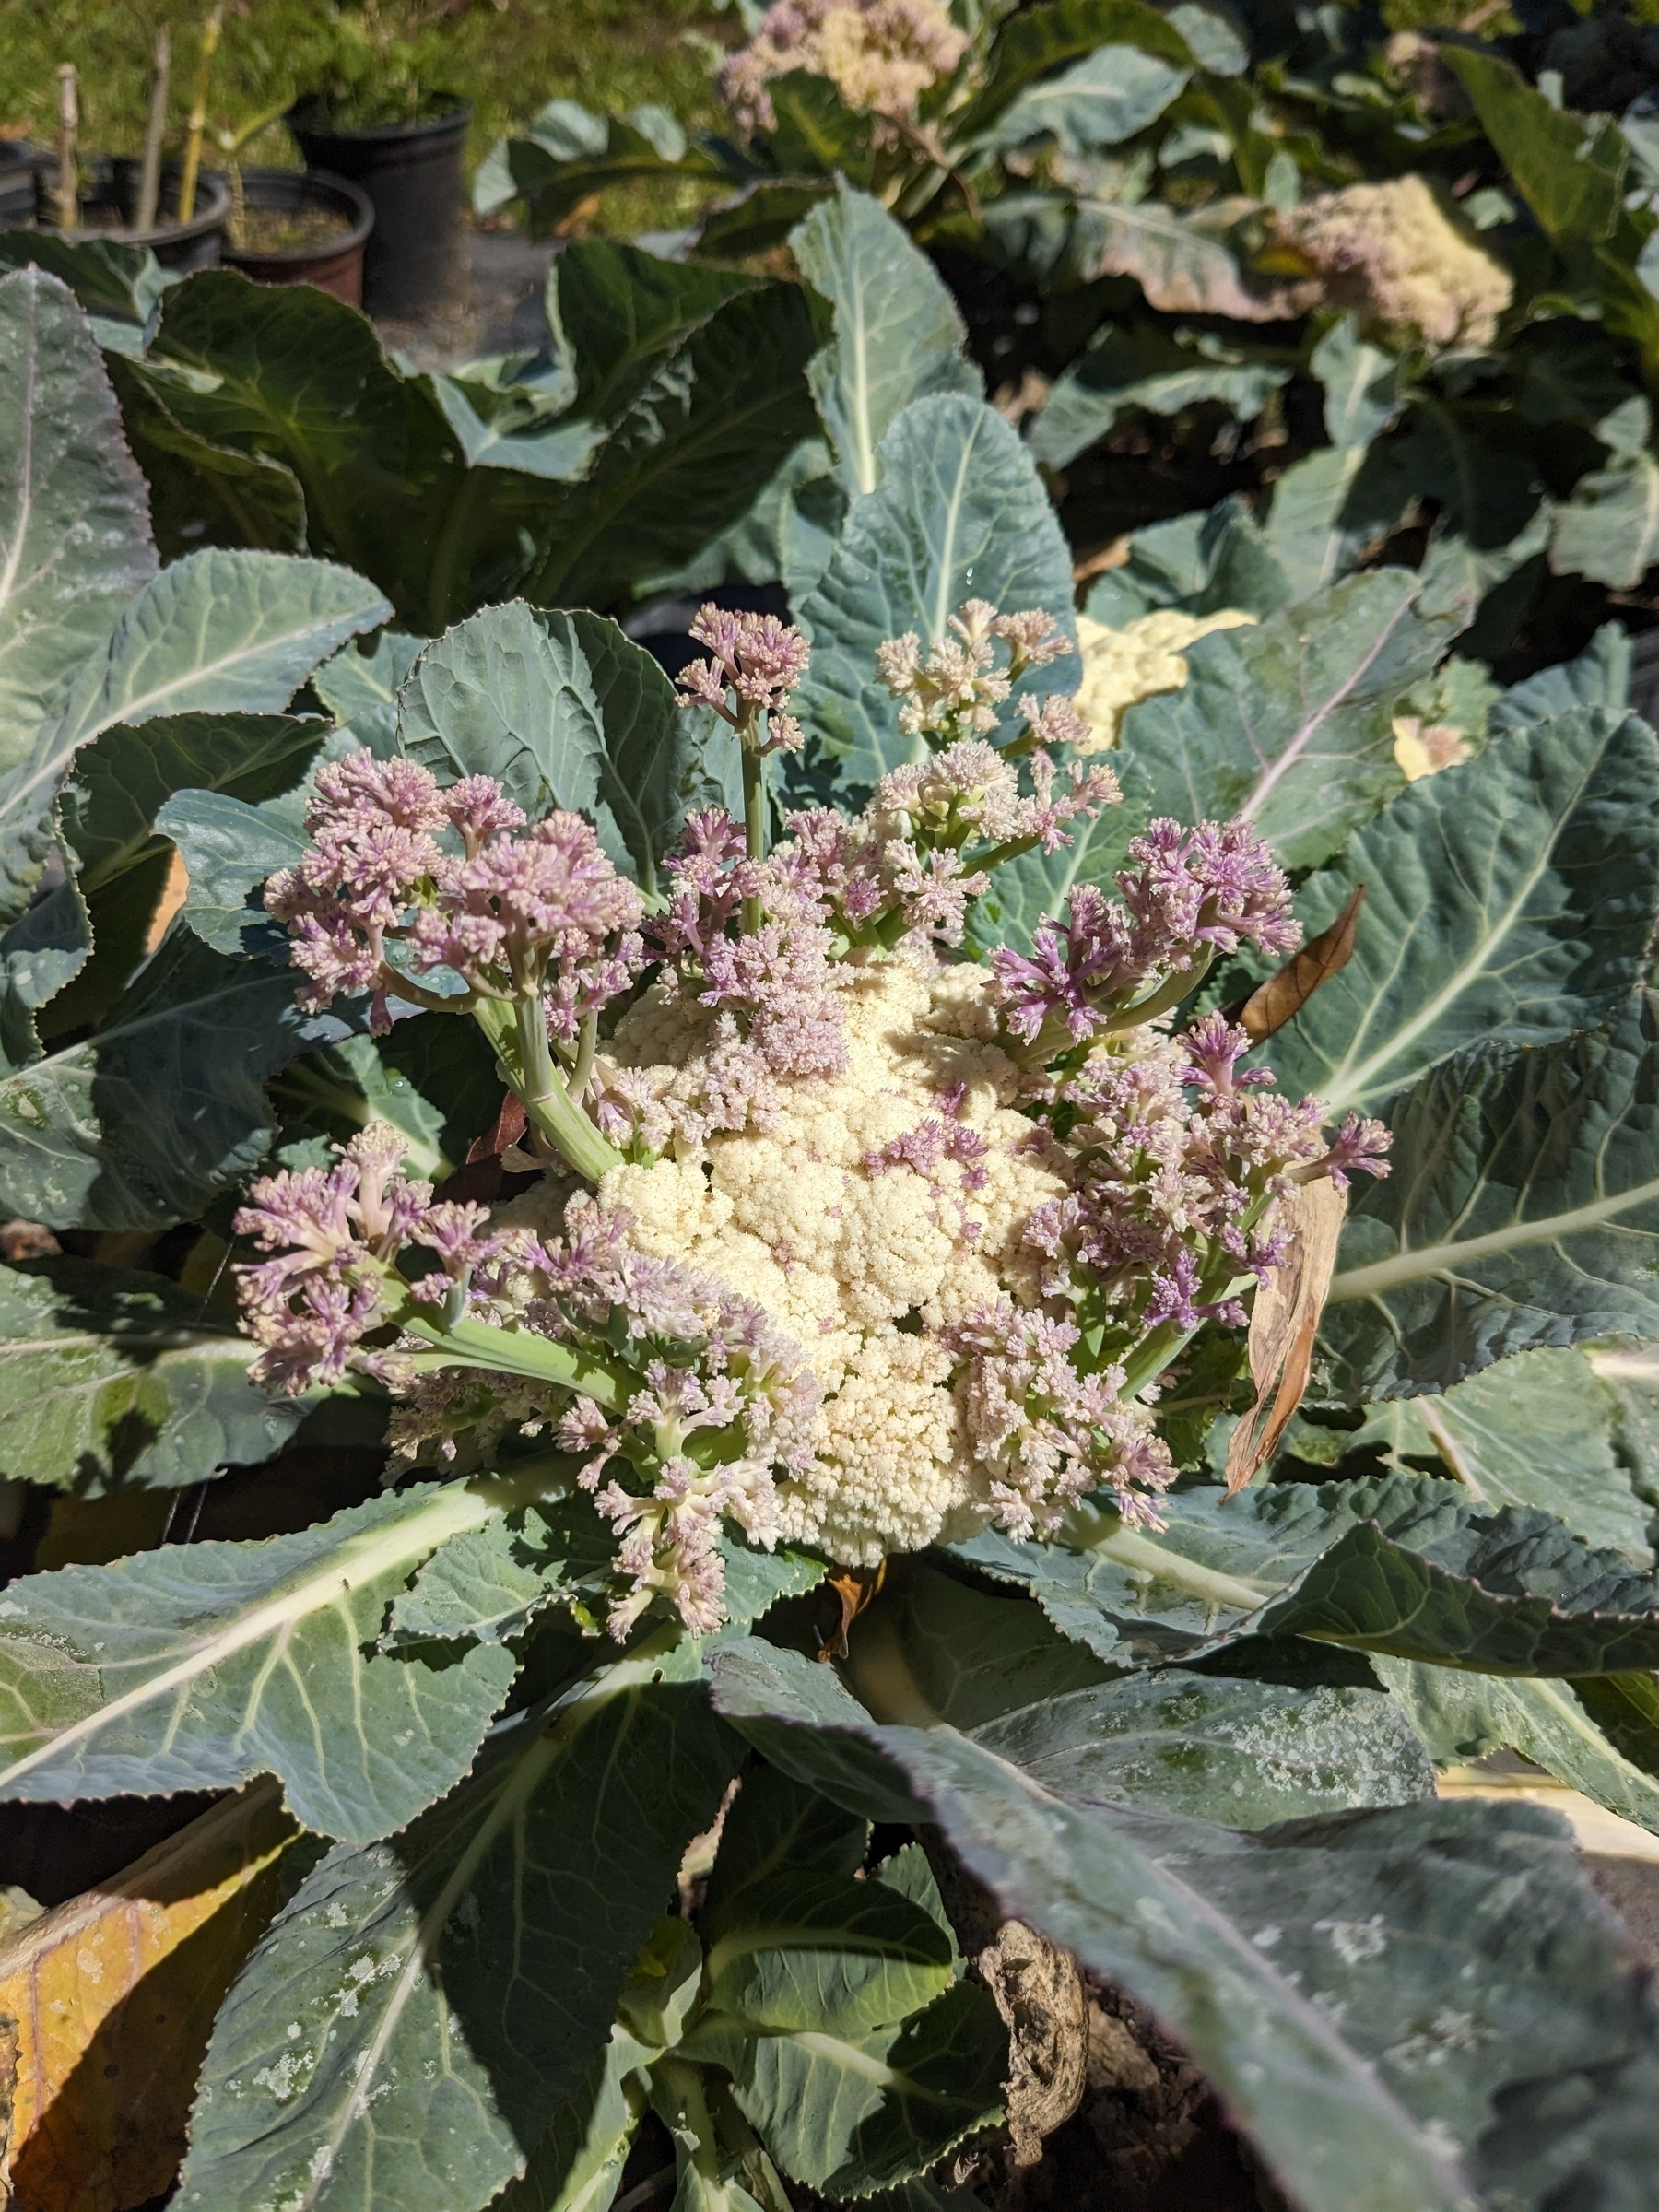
[333,263]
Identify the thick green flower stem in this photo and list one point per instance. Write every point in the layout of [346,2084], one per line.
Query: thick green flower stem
[754,824]
[470,1343]
[518,1031]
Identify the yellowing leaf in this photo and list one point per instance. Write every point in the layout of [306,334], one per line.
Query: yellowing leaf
[113,1994]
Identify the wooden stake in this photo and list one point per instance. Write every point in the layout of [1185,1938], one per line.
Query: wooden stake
[198,113]
[68,183]
[149,176]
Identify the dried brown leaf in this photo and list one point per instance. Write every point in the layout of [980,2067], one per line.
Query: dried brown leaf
[1283,1326]
[1282,997]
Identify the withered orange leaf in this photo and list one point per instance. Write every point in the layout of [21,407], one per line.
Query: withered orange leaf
[113,1994]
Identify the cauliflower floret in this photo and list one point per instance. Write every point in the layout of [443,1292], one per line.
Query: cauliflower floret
[1403,255]
[1121,667]
[890,1468]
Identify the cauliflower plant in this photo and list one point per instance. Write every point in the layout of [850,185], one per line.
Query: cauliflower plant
[849,1242]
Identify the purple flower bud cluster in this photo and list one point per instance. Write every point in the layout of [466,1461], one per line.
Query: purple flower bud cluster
[1045,1434]
[1178,1158]
[453,878]
[755,663]
[692,1358]
[956,689]
[336,1234]
[1189,895]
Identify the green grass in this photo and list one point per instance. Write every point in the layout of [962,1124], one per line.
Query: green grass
[507,57]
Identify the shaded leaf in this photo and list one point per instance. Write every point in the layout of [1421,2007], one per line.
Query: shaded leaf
[689,455]
[202,493]
[1123,368]
[109,1378]
[141,1124]
[617,311]
[229,847]
[198,1665]
[451,1986]
[960,513]
[802,1953]
[1523,1210]
[898,334]
[42,952]
[1534,1430]
[1568,167]
[1290,722]
[847,2114]
[1511,899]
[1168,1909]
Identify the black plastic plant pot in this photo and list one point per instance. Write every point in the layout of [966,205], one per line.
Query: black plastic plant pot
[109,199]
[333,263]
[415,258]
[19,161]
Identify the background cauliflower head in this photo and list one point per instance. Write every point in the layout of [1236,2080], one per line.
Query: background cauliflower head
[1406,259]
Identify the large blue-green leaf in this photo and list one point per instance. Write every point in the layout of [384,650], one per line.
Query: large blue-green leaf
[199,1666]
[1290,723]
[1321,519]
[1363,1992]
[109,1378]
[141,1124]
[1521,1210]
[898,334]
[75,541]
[959,514]
[566,711]
[360,689]
[216,632]
[1534,1430]
[1102,100]
[424,2009]
[1511,899]
[1408,1564]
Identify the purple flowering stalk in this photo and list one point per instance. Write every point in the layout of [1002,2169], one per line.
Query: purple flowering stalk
[683,1395]
[755,663]
[405,878]
[1116,964]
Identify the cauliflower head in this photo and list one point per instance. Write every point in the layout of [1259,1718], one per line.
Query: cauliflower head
[874,1208]
[1403,256]
[1121,667]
